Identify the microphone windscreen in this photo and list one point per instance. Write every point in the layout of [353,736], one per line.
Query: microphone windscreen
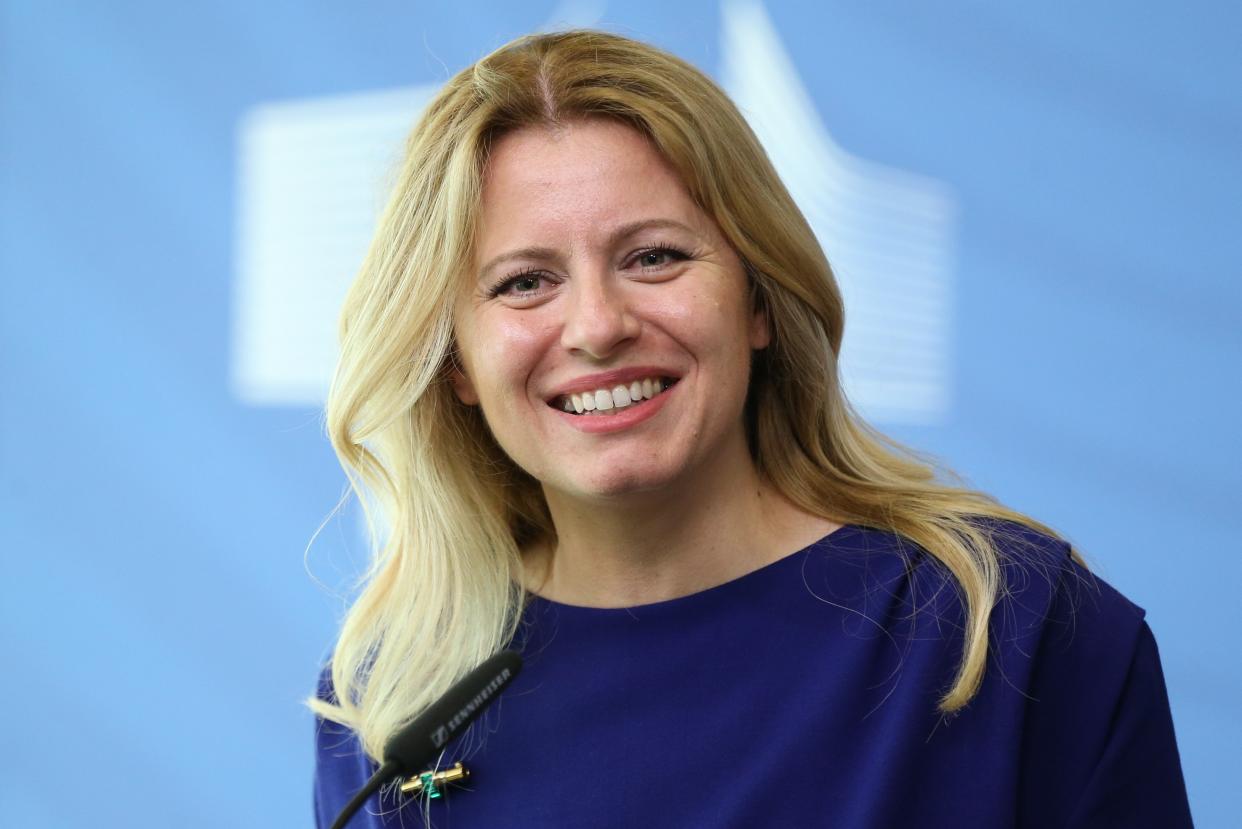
[415,745]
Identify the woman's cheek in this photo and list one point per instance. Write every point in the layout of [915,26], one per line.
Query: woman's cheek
[512,350]
[524,329]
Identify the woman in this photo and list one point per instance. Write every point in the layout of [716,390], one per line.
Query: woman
[588,386]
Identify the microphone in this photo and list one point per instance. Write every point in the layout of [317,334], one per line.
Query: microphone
[416,744]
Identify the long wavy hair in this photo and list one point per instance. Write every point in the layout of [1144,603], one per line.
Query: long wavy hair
[449,512]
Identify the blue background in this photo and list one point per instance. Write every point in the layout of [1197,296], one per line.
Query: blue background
[159,625]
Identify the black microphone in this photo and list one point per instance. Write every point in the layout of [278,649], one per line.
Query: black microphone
[416,744]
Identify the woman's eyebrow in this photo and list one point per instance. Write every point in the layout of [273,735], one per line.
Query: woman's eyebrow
[630,228]
[520,253]
[626,230]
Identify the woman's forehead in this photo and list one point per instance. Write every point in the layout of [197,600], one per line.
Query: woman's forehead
[582,181]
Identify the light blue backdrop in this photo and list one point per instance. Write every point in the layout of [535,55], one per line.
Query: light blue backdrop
[159,627]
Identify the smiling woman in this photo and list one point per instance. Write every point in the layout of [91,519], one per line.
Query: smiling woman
[589,381]
[627,280]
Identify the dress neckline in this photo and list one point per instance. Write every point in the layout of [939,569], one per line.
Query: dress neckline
[747,582]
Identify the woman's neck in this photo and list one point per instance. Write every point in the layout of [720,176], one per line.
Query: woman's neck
[652,546]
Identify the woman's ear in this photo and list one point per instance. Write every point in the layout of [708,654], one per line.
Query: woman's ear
[462,385]
[760,321]
[760,333]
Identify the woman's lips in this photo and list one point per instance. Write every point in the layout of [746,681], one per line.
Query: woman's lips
[617,419]
[606,401]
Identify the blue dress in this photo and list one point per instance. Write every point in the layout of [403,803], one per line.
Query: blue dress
[804,694]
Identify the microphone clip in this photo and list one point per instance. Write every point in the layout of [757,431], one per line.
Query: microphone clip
[431,781]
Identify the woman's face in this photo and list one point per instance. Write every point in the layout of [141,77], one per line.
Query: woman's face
[597,281]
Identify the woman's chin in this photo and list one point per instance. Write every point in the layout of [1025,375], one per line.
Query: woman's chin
[614,485]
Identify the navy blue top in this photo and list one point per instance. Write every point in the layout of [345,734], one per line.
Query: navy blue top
[804,694]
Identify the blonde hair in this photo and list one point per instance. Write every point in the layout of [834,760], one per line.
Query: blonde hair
[442,591]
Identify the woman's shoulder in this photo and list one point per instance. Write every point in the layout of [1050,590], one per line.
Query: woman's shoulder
[1050,616]
[1096,717]
[1042,583]
[341,765]
[1045,586]
[324,689]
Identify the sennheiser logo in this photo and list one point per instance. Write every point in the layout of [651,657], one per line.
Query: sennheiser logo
[444,733]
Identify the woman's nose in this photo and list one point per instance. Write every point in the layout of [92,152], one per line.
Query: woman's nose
[598,318]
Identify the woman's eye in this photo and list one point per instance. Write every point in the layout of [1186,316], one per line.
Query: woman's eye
[522,284]
[659,257]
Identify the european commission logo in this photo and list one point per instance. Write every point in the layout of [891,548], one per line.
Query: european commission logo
[314,175]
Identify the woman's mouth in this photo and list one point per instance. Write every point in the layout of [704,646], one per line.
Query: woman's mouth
[609,401]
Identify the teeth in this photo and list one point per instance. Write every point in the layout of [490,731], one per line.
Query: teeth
[618,397]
